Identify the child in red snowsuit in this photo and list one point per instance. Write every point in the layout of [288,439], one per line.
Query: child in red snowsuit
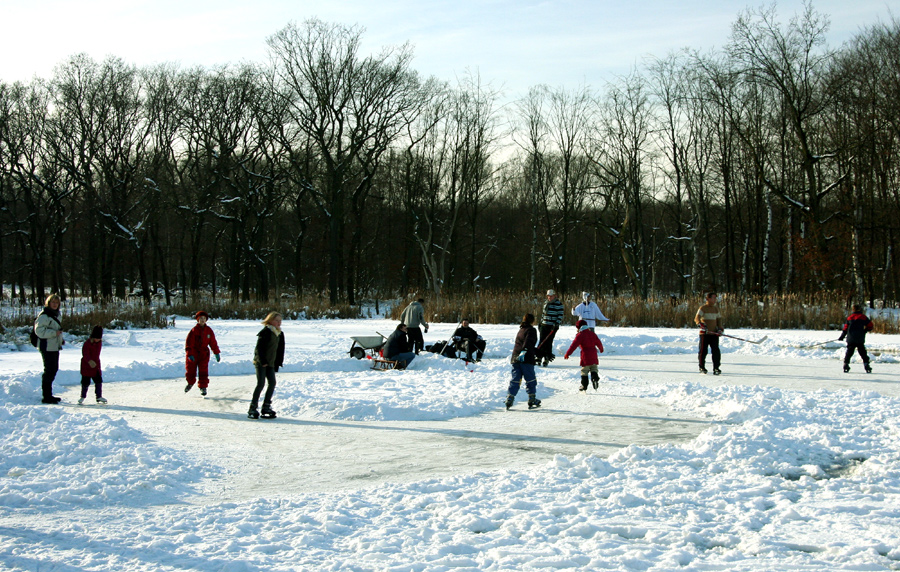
[589,343]
[200,340]
[90,365]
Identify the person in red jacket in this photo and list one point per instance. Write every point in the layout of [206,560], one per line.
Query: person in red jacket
[90,365]
[200,340]
[589,343]
[855,328]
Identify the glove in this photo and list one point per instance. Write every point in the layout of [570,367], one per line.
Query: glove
[720,331]
[480,338]
[92,363]
[218,358]
[565,357]
[702,327]
[426,329]
[456,338]
[191,358]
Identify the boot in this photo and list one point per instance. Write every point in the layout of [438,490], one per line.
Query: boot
[267,412]
[595,380]
[253,413]
[533,402]
[702,369]
[188,387]
[584,380]
[509,401]
[846,368]
[868,367]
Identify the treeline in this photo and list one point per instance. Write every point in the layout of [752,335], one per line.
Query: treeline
[769,166]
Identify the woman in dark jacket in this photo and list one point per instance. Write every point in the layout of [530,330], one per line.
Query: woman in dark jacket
[268,357]
[523,361]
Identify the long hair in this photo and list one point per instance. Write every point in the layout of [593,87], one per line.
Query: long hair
[270,317]
[528,319]
[51,298]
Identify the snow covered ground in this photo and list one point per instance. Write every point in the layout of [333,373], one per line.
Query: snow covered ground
[782,463]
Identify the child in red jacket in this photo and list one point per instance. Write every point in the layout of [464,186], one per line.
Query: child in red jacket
[200,340]
[90,365]
[589,343]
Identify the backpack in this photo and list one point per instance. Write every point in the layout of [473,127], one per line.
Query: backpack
[34,338]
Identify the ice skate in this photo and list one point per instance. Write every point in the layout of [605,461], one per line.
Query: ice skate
[533,402]
[80,401]
[703,370]
[203,391]
[717,371]
[188,387]
[846,368]
[868,368]
[584,383]
[267,412]
[101,400]
[52,400]
[595,380]
[253,413]
[509,401]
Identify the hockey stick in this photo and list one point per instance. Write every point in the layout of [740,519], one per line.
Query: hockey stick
[823,343]
[761,340]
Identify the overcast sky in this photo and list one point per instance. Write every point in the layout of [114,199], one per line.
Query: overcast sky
[513,44]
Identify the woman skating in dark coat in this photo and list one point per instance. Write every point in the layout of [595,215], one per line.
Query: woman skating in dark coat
[268,357]
[523,361]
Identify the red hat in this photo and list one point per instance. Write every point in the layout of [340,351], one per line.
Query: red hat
[201,313]
[580,323]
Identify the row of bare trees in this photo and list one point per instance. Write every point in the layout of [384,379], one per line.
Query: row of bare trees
[768,166]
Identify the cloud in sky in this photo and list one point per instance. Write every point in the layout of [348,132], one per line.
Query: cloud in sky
[515,44]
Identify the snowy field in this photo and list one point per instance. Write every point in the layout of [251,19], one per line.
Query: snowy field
[781,463]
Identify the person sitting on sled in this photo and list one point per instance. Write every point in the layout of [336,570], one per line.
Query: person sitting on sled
[589,343]
[855,328]
[467,340]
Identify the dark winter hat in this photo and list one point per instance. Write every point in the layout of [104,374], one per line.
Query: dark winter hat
[97,332]
[201,313]
[580,323]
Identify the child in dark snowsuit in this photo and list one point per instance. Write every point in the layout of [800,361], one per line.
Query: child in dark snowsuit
[855,329]
[90,366]
[589,343]
[200,340]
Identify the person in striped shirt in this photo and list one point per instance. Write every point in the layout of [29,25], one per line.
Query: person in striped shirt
[551,319]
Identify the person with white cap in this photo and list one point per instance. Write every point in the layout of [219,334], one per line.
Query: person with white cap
[551,318]
[589,311]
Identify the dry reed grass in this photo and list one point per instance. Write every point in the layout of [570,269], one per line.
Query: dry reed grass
[821,311]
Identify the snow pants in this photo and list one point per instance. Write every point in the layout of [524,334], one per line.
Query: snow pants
[545,346]
[415,339]
[709,343]
[86,383]
[861,348]
[51,366]
[263,375]
[519,371]
[193,368]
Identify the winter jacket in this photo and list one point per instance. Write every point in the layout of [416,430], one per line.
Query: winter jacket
[589,344]
[269,348]
[466,333]
[199,341]
[46,327]
[855,328]
[90,351]
[414,316]
[709,319]
[396,344]
[590,313]
[552,314]
[526,340]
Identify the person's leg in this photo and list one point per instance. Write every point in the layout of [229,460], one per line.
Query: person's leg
[51,366]
[531,385]
[704,349]
[260,383]
[415,339]
[203,372]
[861,348]
[584,377]
[516,382]
[849,353]
[595,377]
[480,345]
[270,387]
[190,371]
[714,349]
[85,384]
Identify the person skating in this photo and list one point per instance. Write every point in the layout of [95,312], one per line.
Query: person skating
[855,327]
[467,340]
[396,348]
[551,318]
[90,366]
[200,340]
[413,316]
[48,329]
[710,321]
[589,311]
[267,358]
[589,343]
[523,362]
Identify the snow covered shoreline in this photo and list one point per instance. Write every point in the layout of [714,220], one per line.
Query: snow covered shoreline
[798,473]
